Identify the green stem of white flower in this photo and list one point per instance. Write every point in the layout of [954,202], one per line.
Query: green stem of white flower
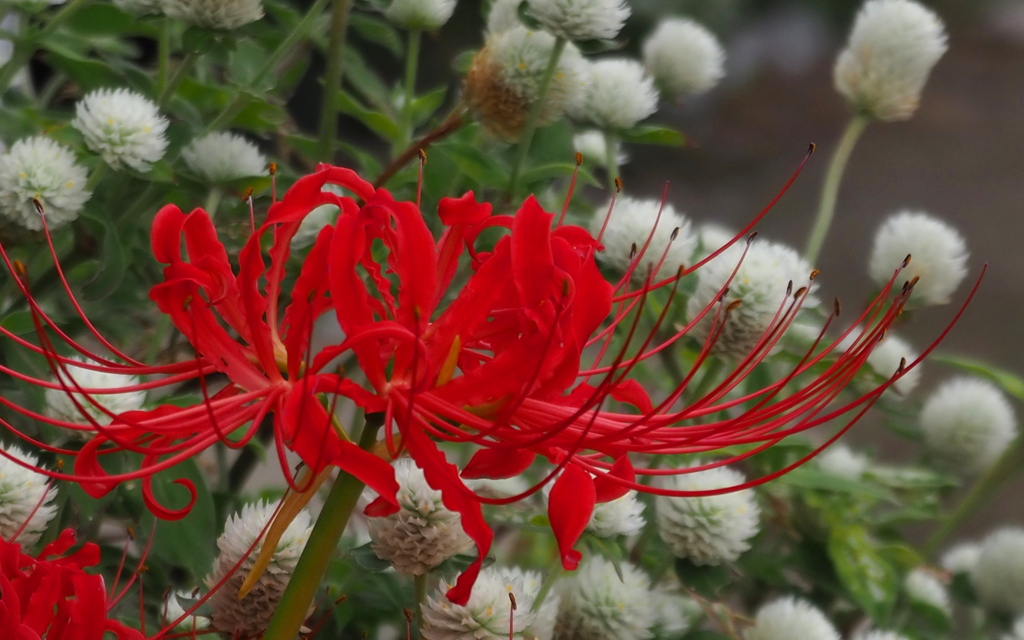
[25,47]
[213,200]
[184,67]
[533,116]
[830,188]
[611,160]
[332,79]
[412,57]
[97,175]
[554,574]
[419,585]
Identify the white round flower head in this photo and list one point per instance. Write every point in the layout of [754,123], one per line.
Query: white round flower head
[880,635]
[760,285]
[69,405]
[998,575]
[421,15]
[249,617]
[581,19]
[486,615]
[40,169]
[885,359]
[1017,633]
[124,127]
[961,558]
[708,530]
[174,610]
[620,517]
[597,605]
[791,619]
[673,614]
[423,533]
[938,256]
[215,14]
[923,587]
[619,94]
[504,80]
[26,499]
[842,461]
[712,237]
[504,15]
[221,157]
[139,7]
[967,424]
[684,57]
[892,49]
[632,222]
[592,145]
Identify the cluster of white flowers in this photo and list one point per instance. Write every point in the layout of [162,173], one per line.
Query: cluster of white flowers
[593,146]
[892,48]
[100,398]
[581,19]
[967,424]
[708,530]
[885,360]
[998,574]
[791,618]
[215,14]
[923,587]
[620,517]
[249,617]
[423,533]
[26,498]
[124,127]
[221,156]
[653,223]
[39,168]
[598,605]
[938,256]
[486,616]
[618,94]
[684,57]
[421,15]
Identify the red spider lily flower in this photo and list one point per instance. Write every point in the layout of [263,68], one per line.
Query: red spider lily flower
[53,597]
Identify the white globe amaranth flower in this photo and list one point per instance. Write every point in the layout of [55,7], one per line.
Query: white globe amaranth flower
[885,360]
[173,610]
[619,94]
[880,635]
[420,15]
[998,574]
[26,498]
[712,237]
[222,157]
[249,617]
[1017,632]
[503,15]
[842,461]
[504,80]
[708,530]
[423,533]
[892,48]
[486,615]
[961,558]
[791,619]
[108,397]
[593,146]
[215,14]
[39,168]
[581,19]
[967,424]
[673,614]
[684,57]
[597,605]
[123,127]
[923,587]
[620,517]
[760,286]
[634,222]
[938,256]
[140,7]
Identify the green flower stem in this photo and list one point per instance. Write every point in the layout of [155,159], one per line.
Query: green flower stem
[97,175]
[830,189]
[412,59]
[213,200]
[1008,465]
[533,117]
[612,163]
[419,584]
[554,574]
[25,47]
[323,541]
[332,79]
[163,70]
[184,67]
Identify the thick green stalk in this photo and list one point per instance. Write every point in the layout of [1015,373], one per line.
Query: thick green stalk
[332,79]
[533,117]
[316,557]
[830,188]
[419,584]
[412,58]
[24,49]
[213,201]
[610,159]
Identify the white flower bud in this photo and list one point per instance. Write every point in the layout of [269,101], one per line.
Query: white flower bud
[923,587]
[788,619]
[632,223]
[998,575]
[581,19]
[839,460]
[885,360]
[222,157]
[938,256]
[69,405]
[26,499]
[421,15]
[598,605]
[892,49]
[423,533]
[250,616]
[215,14]
[684,57]
[619,94]
[708,530]
[504,15]
[41,169]
[967,424]
[620,517]
[124,127]
[593,146]
[486,615]
[961,558]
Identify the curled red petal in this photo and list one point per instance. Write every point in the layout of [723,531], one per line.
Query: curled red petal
[608,489]
[570,506]
[87,465]
[496,464]
[159,510]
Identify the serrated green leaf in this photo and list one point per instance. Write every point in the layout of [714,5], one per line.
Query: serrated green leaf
[869,579]
[652,134]
[366,558]
[1011,383]
[706,581]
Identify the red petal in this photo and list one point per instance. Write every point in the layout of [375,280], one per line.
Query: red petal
[498,463]
[532,259]
[570,507]
[464,210]
[611,490]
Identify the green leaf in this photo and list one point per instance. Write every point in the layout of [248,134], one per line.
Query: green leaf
[377,31]
[462,62]
[19,323]
[652,134]
[810,478]
[548,172]
[481,167]
[706,581]
[366,558]
[377,122]
[245,63]
[426,105]
[185,542]
[870,581]
[113,259]
[529,20]
[1011,383]
[591,47]
[87,73]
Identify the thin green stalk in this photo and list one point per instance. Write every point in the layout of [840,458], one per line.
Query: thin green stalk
[184,67]
[419,585]
[25,47]
[213,200]
[332,79]
[412,58]
[316,557]
[1008,465]
[830,188]
[163,69]
[97,175]
[610,159]
[554,574]
[533,117]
